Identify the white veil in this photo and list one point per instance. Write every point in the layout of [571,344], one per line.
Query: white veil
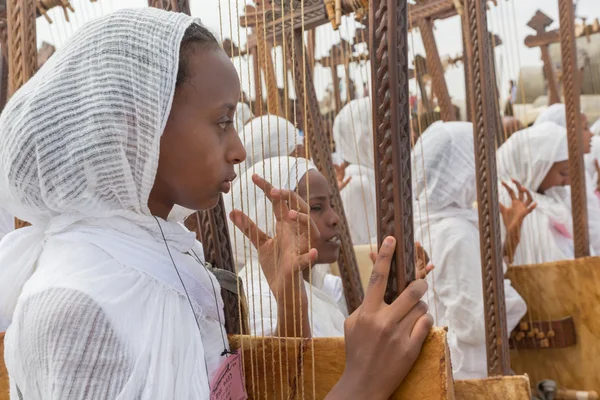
[80,145]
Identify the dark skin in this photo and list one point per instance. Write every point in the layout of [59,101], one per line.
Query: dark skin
[198,151]
[557,176]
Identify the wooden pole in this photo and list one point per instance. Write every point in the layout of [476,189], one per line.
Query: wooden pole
[553,95]
[436,70]
[319,147]
[484,111]
[388,46]
[571,85]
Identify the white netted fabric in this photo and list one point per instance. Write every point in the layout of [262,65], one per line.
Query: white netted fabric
[527,156]
[95,306]
[444,178]
[284,173]
[353,136]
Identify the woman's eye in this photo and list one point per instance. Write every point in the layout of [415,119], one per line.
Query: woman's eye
[223,125]
[316,208]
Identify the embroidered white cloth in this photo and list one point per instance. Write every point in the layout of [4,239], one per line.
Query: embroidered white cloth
[327,309]
[444,178]
[95,306]
[353,135]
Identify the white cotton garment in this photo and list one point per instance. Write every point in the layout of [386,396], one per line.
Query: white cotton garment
[267,136]
[94,292]
[443,166]
[595,128]
[243,114]
[527,156]
[326,313]
[557,113]
[7,223]
[353,136]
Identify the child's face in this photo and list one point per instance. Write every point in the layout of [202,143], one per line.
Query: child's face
[318,198]
[200,145]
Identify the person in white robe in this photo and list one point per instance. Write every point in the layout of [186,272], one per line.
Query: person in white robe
[353,136]
[537,157]
[7,223]
[591,144]
[103,297]
[328,308]
[269,136]
[447,226]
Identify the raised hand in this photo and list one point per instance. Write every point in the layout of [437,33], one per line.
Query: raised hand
[422,265]
[383,341]
[284,256]
[513,216]
[340,174]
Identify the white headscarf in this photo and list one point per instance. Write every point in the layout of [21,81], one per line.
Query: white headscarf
[353,135]
[7,223]
[555,113]
[283,173]
[527,156]
[92,276]
[443,164]
[268,136]
[595,128]
[243,114]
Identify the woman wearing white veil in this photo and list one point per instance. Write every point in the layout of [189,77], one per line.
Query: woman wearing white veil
[443,164]
[102,296]
[537,157]
[328,306]
[556,113]
[353,136]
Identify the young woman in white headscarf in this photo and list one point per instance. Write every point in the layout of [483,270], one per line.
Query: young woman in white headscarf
[328,306]
[591,146]
[353,136]
[447,225]
[537,157]
[103,295]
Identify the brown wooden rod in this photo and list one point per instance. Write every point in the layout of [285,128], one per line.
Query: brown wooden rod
[553,94]
[265,61]
[388,47]
[319,148]
[467,49]
[571,87]
[213,223]
[436,69]
[22,51]
[336,87]
[484,111]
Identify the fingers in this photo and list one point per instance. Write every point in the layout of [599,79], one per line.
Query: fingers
[305,260]
[510,191]
[523,192]
[290,197]
[345,183]
[413,315]
[531,207]
[306,224]
[422,272]
[421,253]
[408,298]
[381,270]
[421,329]
[373,256]
[249,228]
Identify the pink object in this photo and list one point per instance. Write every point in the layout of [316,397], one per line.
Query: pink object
[228,382]
[562,229]
[597,192]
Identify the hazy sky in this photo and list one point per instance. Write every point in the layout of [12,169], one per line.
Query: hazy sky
[509,21]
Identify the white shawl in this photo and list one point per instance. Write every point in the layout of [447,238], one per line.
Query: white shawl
[527,156]
[95,306]
[446,224]
[353,136]
[327,311]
